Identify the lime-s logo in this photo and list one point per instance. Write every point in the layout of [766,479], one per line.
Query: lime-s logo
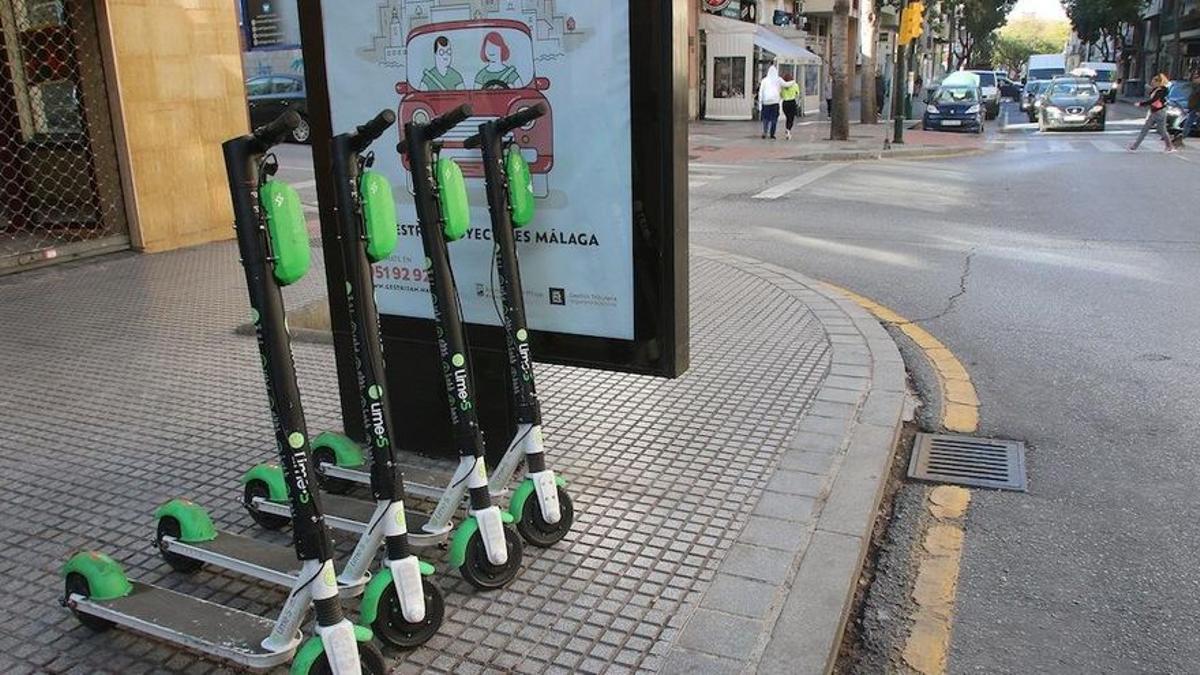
[278,199]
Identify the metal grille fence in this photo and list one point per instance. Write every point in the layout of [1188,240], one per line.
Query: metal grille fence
[60,191]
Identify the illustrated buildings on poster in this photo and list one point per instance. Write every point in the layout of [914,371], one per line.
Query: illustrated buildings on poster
[553,32]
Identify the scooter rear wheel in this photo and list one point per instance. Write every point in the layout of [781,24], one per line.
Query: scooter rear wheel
[77,584]
[393,630]
[270,521]
[481,573]
[369,657]
[334,486]
[170,527]
[534,528]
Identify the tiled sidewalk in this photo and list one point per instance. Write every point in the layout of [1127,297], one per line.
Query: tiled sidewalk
[125,386]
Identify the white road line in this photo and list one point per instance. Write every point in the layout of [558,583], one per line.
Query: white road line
[718,168]
[1108,146]
[1061,146]
[696,183]
[777,191]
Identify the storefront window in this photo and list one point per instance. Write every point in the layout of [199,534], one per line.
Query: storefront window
[811,75]
[729,77]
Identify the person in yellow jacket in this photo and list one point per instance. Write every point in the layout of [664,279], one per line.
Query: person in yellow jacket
[789,93]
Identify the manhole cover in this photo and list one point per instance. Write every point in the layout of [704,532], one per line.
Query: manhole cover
[966,460]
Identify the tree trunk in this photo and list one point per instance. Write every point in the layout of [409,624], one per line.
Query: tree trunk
[839,124]
[868,113]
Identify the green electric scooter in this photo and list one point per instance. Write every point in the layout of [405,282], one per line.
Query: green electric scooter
[404,609]
[485,550]
[547,517]
[273,243]
[540,504]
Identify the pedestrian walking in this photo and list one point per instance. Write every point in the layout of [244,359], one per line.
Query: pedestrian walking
[828,91]
[788,95]
[769,98]
[1156,118]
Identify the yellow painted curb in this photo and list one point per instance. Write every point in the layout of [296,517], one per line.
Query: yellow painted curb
[928,645]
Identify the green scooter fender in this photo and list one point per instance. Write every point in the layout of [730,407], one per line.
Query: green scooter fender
[346,452]
[106,580]
[313,648]
[382,583]
[458,544]
[194,524]
[272,475]
[516,505]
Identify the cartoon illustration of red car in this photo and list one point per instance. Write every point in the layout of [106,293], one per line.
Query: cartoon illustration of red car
[488,63]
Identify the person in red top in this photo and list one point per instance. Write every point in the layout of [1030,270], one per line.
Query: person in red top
[1157,117]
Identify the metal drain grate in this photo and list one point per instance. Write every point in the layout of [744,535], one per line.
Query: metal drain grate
[966,460]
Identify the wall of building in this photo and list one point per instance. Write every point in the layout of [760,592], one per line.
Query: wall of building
[179,93]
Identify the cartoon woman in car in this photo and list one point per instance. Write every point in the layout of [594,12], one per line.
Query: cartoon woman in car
[496,73]
[442,77]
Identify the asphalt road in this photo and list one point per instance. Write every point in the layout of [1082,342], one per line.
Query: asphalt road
[1063,271]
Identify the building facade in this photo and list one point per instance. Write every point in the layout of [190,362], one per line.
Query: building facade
[113,112]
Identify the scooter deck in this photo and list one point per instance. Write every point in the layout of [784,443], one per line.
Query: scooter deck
[198,624]
[419,481]
[273,563]
[347,514]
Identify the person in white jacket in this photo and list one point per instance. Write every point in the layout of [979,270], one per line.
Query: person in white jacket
[769,98]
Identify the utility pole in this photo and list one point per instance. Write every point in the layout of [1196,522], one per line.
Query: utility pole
[910,29]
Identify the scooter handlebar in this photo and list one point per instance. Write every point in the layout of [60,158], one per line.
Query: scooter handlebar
[507,124]
[273,132]
[443,123]
[366,134]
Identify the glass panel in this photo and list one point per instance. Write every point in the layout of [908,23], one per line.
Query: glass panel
[729,77]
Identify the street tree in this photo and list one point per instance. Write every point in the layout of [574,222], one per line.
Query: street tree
[976,21]
[839,122]
[1102,22]
[1027,35]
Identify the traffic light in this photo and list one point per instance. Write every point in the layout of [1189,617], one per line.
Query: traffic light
[911,20]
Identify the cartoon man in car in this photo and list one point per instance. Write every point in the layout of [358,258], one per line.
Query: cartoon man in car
[442,76]
[504,82]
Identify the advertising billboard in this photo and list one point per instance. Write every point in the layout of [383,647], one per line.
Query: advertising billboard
[603,265]
[425,57]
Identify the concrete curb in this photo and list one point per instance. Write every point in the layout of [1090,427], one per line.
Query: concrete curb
[779,600]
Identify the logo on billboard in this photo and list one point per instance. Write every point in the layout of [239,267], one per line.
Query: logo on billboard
[558,296]
[716,5]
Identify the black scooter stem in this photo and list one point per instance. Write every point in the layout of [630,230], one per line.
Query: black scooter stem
[447,312]
[520,360]
[266,301]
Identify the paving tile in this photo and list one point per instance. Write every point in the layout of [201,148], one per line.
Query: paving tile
[740,596]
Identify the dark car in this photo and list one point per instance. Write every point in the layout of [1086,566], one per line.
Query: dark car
[269,96]
[954,108]
[1029,98]
[1072,103]
[1177,106]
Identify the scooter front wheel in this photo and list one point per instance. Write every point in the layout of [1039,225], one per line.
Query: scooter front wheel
[481,572]
[534,528]
[391,627]
[369,658]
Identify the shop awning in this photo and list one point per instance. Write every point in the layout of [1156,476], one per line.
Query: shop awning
[783,48]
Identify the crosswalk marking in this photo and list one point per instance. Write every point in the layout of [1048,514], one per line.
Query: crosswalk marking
[1061,146]
[702,173]
[777,191]
[1107,146]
